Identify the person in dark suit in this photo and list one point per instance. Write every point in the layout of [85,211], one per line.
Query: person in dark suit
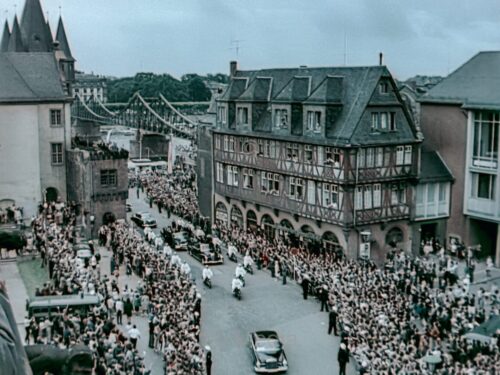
[343,358]
[305,286]
[332,321]
[323,297]
[208,360]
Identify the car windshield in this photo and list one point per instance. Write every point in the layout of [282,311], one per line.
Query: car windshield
[268,346]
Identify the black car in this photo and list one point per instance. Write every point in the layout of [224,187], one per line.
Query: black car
[144,219]
[204,254]
[268,353]
[181,240]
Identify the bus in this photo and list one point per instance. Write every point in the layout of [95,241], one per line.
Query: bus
[55,305]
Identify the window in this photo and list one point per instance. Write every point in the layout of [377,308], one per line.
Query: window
[375,121]
[483,186]
[292,151]
[384,87]
[400,156]
[232,175]
[407,155]
[221,114]
[242,116]
[398,195]
[361,157]
[56,153]
[55,117]
[370,157]
[226,143]
[108,177]
[314,121]
[219,172]
[358,198]
[311,192]
[296,188]
[368,197]
[486,139]
[232,144]
[281,118]
[308,153]
[247,178]
[379,156]
[392,121]
[330,196]
[377,196]
[217,142]
[332,156]
[270,183]
[384,121]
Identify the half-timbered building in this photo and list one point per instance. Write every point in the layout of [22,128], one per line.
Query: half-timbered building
[323,155]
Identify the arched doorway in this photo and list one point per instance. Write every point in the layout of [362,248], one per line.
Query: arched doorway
[287,232]
[7,210]
[221,213]
[236,217]
[108,218]
[309,239]
[331,243]
[393,237]
[251,220]
[51,194]
[268,226]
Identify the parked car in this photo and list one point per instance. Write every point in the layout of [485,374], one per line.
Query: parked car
[181,240]
[268,353]
[144,219]
[204,254]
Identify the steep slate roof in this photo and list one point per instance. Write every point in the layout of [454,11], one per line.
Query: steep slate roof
[236,87]
[4,44]
[34,28]
[476,83]
[433,168]
[49,34]
[296,90]
[63,40]
[352,87]
[30,77]
[258,90]
[15,41]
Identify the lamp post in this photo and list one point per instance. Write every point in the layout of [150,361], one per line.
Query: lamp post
[364,247]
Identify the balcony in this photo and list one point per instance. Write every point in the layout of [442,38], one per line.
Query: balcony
[483,207]
[485,162]
[377,215]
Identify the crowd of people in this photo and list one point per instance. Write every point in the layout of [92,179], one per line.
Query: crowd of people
[11,214]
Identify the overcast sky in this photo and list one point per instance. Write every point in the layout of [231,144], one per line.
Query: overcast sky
[123,37]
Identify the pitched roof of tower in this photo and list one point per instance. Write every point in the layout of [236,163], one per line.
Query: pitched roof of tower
[4,44]
[49,34]
[15,41]
[34,28]
[63,40]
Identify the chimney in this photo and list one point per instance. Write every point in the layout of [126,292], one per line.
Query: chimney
[233,67]
[381,58]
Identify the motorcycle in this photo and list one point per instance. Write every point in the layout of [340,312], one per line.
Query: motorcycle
[242,278]
[249,269]
[237,293]
[207,282]
[233,258]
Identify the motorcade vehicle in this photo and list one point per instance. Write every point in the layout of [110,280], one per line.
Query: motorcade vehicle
[181,240]
[205,254]
[55,305]
[144,219]
[267,351]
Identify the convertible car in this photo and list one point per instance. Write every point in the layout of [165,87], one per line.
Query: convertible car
[268,353]
[205,255]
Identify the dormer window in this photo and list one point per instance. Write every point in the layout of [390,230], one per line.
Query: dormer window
[281,119]
[243,116]
[384,121]
[221,114]
[314,121]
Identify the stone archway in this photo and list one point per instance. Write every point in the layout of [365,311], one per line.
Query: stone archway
[51,194]
[236,217]
[394,236]
[309,238]
[252,220]
[221,213]
[331,243]
[108,218]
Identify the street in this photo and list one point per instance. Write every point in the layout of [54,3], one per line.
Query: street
[266,304]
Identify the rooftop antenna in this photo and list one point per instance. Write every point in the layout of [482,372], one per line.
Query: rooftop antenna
[60,10]
[236,46]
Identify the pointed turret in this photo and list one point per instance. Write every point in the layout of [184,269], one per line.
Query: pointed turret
[50,38]
[4,44]
[63,40]
[15,40]
[34,28]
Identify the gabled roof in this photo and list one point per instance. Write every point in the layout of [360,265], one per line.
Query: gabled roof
[475,83]
[258,90]
[296,90]
[49,34]
[15,41]
[4,43]
[63,41]
[34,28]
[236,87]
[433,168]
[30,77]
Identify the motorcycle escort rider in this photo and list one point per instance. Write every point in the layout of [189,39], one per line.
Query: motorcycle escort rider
[247,261]
[240,273]
[207,274]
[236,285]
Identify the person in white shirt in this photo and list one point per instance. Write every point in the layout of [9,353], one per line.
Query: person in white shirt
[134,334]
[231,251]
[207,273]
[240,271]
[185,268]
[236,284]
[247,260]
[176,259]
[119,311]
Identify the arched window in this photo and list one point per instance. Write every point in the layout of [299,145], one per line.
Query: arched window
[221,213]
[330,242]
[51,194]
[236,217]
[251,220]
[268,226]
[394,236]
